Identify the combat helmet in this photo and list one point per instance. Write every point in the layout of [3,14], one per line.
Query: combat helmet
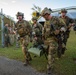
[34,18]
[45,11]
[20,14]
[63,10]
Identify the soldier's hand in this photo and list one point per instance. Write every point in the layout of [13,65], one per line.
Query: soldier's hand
[70,25]
[62,29]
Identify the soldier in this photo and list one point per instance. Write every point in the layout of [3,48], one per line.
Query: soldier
[68,22]
[36,32]
[6,34]
[24,29]
[51,29]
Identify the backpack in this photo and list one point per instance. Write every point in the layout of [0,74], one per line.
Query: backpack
[22,29]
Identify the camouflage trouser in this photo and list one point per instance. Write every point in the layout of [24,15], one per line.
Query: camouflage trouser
[51,53]
[7,40]
[66,36]
[59,49]
[24,43]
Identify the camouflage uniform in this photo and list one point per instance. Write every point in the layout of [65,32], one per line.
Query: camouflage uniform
[67,22]
[50,34]
[6,35]
[36,33]
[24,29]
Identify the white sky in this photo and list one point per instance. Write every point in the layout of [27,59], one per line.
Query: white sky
[11,7]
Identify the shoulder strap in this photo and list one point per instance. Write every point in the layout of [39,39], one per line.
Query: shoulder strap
[62,20]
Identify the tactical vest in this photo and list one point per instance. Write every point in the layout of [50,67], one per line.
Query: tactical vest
[48,30]
[67,20]
[22,28]
[37,30]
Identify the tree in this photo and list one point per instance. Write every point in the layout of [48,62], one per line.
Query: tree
[36,11]
[36,8]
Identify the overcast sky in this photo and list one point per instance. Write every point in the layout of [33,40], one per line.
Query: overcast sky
[11,7]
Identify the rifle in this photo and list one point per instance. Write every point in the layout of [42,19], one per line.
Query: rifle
[52,26]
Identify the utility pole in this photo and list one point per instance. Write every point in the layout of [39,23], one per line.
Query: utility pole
[2,28]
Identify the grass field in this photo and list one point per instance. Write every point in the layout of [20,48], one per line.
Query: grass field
[64,66]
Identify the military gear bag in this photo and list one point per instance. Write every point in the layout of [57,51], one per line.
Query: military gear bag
[22,31]
[22,28]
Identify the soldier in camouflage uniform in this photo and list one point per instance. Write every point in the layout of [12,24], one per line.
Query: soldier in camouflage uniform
[36,32]
[24,29]
[68,22]
[6,35]
[51,29]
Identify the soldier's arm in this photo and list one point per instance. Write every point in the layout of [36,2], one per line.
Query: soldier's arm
[71,23]
[41,27]
[29,28]
[59,24]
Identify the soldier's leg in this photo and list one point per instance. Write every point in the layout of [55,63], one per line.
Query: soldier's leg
[25,51]
[6,41]
[6,44]
[65,39]
[59,49]
[66,36]
[51,58]
[27,40]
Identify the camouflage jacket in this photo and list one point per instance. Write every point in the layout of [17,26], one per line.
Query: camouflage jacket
[37,29]
[51,25]
[67,20]
[6,31]
[23,28]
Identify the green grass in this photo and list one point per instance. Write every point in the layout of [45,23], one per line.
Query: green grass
[12,53]
[64,66]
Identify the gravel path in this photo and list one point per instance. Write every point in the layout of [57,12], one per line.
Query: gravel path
[14,67]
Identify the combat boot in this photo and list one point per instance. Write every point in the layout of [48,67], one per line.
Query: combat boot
[26,63]
[29,56]
[49,71]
